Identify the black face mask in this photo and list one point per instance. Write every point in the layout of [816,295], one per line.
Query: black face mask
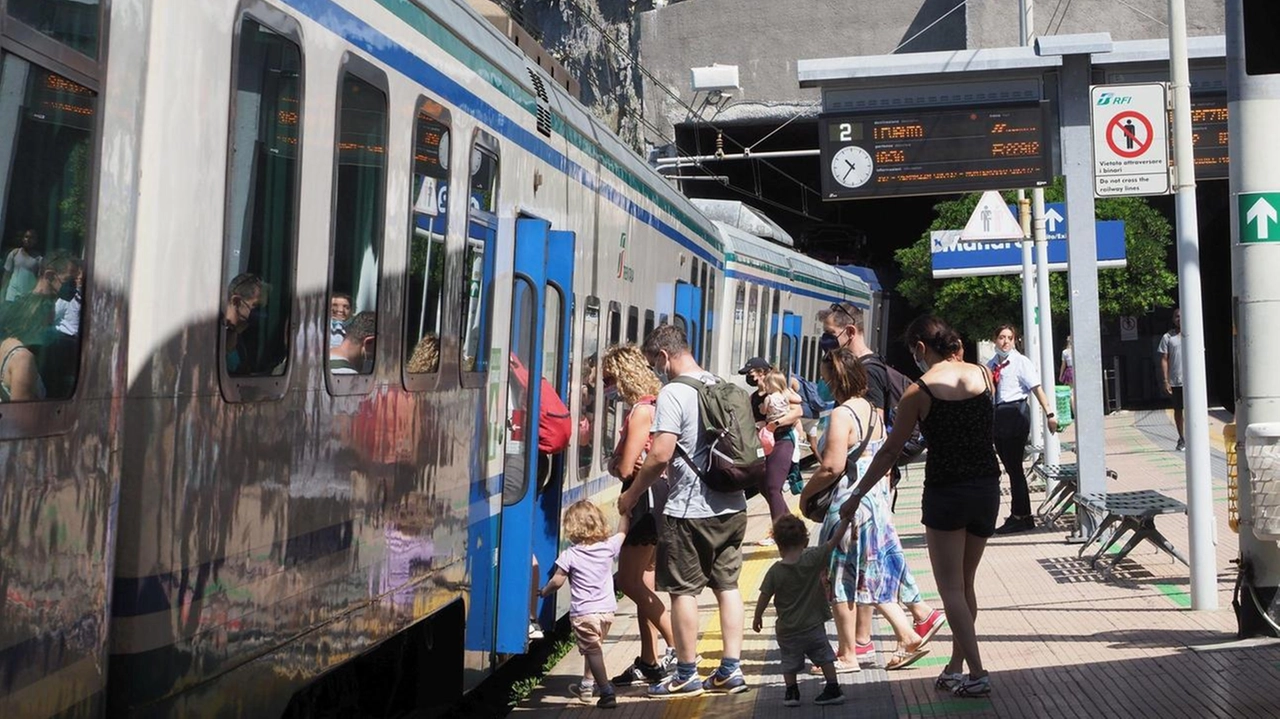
[751,380]
[67,291]
[828,342]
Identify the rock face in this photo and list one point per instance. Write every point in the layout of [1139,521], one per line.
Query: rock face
[595,40]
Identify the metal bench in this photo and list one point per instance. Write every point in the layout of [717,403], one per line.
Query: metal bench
[1130,512]
[1065,479]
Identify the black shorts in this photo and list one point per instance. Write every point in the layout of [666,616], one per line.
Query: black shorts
[1177,397]
[643,531]
[973,506]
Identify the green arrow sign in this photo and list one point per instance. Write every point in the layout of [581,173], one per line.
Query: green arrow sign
[1259,216]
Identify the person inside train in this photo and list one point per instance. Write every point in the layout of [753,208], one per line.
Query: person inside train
[627,373]
[426,355]
[63,347]
[21,267]
[19,377]
[354,355]
[339,316]
[245,293]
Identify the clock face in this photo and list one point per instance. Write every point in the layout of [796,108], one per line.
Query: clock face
[851,166]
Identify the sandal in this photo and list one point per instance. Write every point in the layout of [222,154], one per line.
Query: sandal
[947,682]
[841,668]
[973,688]
[902,659]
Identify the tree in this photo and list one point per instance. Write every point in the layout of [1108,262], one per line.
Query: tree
[976,305]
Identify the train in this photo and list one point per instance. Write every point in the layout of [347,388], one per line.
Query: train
[200,513]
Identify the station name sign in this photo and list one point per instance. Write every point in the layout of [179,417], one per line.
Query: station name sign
[929,151]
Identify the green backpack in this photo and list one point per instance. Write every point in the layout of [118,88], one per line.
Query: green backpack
[735,458]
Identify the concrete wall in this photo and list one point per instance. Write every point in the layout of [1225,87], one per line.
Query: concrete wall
[765,38]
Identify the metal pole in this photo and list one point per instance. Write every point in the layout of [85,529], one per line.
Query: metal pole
[1252,103]
[1052,447]
[1204,580]
[1029,337]
[1082,274]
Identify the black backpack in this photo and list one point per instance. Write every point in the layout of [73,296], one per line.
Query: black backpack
[810,399]
[898,383]
[735,458]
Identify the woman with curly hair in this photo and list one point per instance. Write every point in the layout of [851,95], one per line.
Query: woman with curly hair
[628,373]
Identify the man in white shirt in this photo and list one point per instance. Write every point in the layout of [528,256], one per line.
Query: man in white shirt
[700,544]
[1171,367]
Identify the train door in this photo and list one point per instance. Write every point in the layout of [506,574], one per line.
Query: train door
[788,362]
[529,522]
[688,316]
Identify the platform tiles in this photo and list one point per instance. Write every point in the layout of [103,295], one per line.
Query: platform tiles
[1059,639]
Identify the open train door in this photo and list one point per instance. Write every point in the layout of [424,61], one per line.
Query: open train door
[541,299]
[688,316]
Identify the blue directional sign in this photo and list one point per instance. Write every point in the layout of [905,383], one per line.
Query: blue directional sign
[953,257]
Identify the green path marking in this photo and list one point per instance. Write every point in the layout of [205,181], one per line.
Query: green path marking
[932,661]
[1177,595]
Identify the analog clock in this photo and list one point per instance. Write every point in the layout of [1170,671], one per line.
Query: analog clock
[851,166]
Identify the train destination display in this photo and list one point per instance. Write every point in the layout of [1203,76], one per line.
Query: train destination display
[928,151]
[1209,136]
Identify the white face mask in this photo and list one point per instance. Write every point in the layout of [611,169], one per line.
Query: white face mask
[924,366]
[1002,354]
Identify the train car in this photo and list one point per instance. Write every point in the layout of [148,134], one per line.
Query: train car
[326,250]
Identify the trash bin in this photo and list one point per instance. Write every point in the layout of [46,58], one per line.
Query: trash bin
[1262,447]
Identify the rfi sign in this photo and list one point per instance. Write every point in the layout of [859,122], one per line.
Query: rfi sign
[1130,139]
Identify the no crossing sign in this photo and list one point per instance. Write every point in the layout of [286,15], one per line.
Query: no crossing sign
[1130,139]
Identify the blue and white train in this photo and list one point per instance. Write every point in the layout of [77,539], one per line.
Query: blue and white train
[197,517]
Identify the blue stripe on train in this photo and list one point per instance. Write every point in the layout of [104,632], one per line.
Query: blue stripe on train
[360,34]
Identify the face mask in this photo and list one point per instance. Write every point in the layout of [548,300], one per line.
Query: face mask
[68,291]
[752,381]
[1002,354]
[924,366]
[828,342]
[610,392]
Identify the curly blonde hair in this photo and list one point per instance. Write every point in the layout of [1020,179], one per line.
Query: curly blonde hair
[628,367]
[584,523]
[426,356]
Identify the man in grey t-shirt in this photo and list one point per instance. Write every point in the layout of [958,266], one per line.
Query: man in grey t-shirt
[1171,365]
[700,542]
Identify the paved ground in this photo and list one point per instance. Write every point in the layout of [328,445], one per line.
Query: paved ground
[1058,637]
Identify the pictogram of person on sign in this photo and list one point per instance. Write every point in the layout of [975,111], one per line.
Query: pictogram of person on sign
[1129,130]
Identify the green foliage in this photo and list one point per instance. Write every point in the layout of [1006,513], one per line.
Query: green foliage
[522,688]
[976,305]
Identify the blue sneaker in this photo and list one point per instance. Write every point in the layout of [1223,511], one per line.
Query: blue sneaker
[673,687]
[735,683]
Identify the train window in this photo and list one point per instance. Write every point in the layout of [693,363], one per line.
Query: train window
[611,404]
[648,323]
[429,200]
[587,386]
[615,323]
[753,309]
[774,328]
[804,356]
[74,23]
[359,205]
[762,339]
[633,324]
[693,271]
[48,153]
[739,312]
[708,314]
[262,204]
[552,332]
[514,475]
[482,233]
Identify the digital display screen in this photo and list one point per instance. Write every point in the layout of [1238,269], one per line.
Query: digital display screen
[929,151]
[1209,137]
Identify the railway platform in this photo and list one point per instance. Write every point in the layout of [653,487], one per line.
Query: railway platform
[1059,637]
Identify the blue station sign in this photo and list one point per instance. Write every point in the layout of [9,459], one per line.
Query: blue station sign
[953,257]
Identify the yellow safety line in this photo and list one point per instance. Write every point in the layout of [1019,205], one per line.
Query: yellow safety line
[749,580]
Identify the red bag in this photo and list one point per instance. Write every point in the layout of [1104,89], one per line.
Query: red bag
[555,424]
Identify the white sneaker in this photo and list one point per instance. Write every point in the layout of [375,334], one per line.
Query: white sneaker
[535,631]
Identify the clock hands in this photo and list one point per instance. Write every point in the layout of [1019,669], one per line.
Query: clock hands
[852,167]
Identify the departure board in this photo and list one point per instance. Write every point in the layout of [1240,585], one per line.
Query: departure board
[1209,136]
[930,151]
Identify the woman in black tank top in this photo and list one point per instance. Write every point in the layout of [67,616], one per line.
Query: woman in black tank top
[952,403]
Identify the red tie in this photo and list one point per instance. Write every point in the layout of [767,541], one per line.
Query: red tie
[995,373]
